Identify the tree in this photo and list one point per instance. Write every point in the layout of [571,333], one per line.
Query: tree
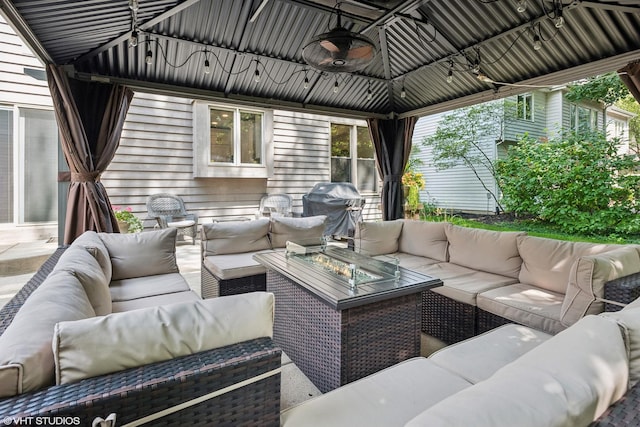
[460,136]
[605,89]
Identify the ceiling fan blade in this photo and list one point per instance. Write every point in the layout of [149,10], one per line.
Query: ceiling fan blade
[360,52]
[329,45]
[325,61]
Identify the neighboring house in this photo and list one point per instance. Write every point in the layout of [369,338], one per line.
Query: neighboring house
[542,114]
[220,158]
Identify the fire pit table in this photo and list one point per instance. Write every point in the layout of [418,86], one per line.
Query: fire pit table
[341,315]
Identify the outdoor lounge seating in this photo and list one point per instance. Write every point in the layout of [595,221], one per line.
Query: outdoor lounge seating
[511,376]
[227,250]
[492,278]
[87,337]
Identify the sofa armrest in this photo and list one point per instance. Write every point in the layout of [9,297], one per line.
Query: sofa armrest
[621,291]
[144,391]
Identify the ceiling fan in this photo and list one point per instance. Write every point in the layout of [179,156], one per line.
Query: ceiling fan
[339,50]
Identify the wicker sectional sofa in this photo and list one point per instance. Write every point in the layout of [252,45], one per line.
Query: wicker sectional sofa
[493,278]
[227,250]
[587,374]
[109,328]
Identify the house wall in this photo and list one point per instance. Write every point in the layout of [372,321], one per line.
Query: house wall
[456,188]
[156,155]
[515,128]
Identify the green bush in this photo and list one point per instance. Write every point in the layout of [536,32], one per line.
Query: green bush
[579,183]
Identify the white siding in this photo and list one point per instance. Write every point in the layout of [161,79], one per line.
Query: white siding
[556,113]
[17,88]
[156,155]
[456,188]
[536,128]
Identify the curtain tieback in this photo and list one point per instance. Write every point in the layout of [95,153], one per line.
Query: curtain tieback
[392,178]
[85,177]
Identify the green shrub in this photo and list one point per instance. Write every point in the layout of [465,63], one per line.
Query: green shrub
[579,183]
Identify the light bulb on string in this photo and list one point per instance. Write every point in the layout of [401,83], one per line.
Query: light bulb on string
[306,82]
[336,87]
[149,57]
[256,76]
[403,93]
[521,6]
[450,76]
[133,40]
[207,66]
[537,43]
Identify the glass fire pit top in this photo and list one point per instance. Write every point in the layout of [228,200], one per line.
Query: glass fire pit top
[346,265]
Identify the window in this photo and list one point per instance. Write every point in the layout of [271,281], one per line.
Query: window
[524,105]
[231,142]
[583,119]
[236,136]
[28,166]
[352,157]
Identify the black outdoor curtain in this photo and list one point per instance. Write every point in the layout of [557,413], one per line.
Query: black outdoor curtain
[630,75]
[90,118]
[392,142]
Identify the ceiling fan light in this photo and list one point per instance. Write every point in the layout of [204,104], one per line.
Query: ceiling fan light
[339,50]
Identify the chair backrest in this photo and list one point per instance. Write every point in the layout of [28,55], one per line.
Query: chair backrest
[164,204]
[276,203]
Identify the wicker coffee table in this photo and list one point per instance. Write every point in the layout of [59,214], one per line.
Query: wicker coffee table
[336,332]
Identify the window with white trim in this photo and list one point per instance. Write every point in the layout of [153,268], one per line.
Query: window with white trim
[231,142]
[353,157]
[583,119]
[524,106]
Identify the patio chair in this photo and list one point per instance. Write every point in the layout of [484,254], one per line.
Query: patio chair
[169,211]
[275,204]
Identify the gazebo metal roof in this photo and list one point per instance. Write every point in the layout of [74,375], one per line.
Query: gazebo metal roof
[417,41]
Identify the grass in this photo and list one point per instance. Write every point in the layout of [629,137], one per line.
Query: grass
[536,228]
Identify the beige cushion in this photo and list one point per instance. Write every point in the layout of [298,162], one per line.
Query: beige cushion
[588,276]
[118,341]
[94,244]
[478,358]
[546,263]
[285,229]
[141,254]
[427,239]
[466,288]
[410,261]
[232,237]
[567,381]
[525,304]
[233,266]
[26,359]
[377,238]
[485,250]
[154,301]
[142,287]
[390,397]
[77,260]
[629,322]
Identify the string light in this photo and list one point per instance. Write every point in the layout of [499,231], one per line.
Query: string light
[450,72]
[133,40]
[256,76]
[207,66]
[521,6]
[537,43]
[369,93]
[559,23]
[149,57]
[306,80]
[336,86]
[403,93]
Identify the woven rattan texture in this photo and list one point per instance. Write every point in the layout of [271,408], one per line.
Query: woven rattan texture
[336,347]
[10,309]
[142,391]
[446,319]
[213,287]
[624,413]
[622,290]
[488,321]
